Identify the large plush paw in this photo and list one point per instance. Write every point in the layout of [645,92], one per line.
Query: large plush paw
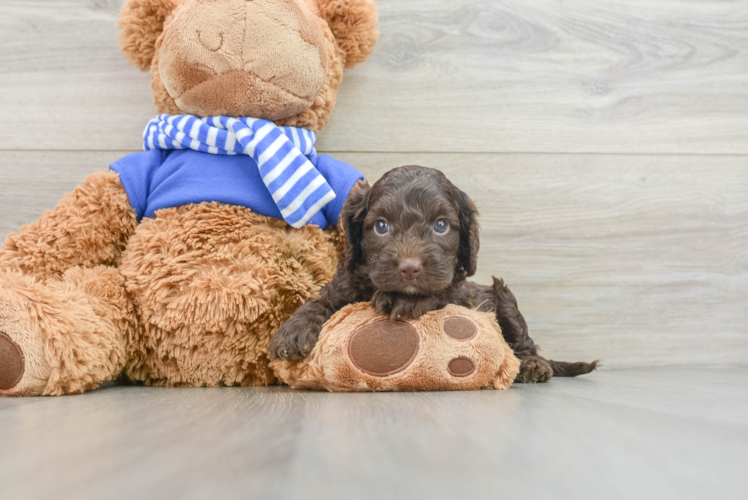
[12,363]
[293,341]
[534,369]
[23,369]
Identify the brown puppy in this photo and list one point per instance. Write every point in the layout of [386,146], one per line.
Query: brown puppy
[412,240]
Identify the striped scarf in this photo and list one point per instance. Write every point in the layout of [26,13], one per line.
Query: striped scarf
[298,189]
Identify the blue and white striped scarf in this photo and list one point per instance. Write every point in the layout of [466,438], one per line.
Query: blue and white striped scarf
[298,189]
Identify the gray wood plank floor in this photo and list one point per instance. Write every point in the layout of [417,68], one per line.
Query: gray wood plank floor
[651,433]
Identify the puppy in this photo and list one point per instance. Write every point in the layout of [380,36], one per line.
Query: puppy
[412,241]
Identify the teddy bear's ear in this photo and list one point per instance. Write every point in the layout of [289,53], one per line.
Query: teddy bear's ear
[141,22]
[354,24]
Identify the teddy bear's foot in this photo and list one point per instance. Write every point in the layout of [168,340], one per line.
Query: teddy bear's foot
[11,363]
[17,377]
[62,336]
[23,368]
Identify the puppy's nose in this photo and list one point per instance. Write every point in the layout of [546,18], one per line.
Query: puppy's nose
[410,269]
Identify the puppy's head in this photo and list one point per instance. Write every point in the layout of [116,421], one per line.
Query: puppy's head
[413,230]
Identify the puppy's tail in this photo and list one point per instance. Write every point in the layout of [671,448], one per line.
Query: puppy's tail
[514,328]
[564,369]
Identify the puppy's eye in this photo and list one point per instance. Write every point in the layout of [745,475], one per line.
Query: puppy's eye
[381,226]
[441,226]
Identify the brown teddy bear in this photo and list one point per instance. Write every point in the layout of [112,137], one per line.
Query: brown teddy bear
[178,264]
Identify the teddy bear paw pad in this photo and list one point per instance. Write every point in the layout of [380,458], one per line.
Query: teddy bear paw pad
[461,367]
[460,328]
[383,348]
[11,363]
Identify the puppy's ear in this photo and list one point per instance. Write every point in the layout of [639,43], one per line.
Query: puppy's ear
[352,223]
[141,22]
[467,255]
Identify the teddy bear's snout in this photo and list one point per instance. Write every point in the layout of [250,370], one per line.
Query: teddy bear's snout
[272,65]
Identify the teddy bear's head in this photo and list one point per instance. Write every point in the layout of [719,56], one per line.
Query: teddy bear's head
[280,60]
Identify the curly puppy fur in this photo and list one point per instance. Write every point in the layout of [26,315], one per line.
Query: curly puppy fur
[412,241]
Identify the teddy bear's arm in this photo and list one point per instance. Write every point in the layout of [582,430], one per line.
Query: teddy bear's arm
[88,227]
[354,24]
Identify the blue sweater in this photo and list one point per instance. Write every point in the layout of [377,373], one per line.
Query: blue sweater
[160,179]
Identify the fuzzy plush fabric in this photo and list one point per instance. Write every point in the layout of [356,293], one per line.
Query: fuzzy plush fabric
[89,227]
[203,65]
[354,24]
[71,329]
[141,23]
[62,299]
[195,297]
[210,66]
[449,349]
[211,284]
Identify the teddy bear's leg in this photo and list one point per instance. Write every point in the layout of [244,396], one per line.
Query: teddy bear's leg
[64,311]
[63,336]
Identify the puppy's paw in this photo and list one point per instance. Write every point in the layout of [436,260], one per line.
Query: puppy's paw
[293,342]
[534,369]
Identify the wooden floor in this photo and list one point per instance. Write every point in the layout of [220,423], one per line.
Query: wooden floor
[606,144]
[651,433]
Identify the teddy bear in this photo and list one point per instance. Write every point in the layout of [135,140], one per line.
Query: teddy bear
[176,265]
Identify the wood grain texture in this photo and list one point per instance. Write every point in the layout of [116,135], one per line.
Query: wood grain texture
[643,76]
[663,433]
[637,260]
